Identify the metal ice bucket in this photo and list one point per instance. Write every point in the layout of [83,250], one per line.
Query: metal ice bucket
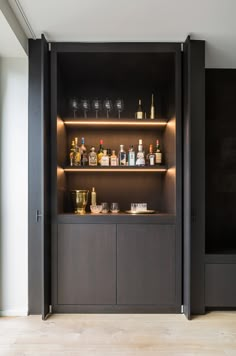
[80,200]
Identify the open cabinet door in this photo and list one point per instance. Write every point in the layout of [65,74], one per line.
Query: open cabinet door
[193,176]
[46,236]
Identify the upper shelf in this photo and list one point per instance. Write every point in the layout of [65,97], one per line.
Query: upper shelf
[104,122]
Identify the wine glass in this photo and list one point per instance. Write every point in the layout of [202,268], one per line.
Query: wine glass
[119,104]
[85,106]
[97,106]
[74,105]
[107,106]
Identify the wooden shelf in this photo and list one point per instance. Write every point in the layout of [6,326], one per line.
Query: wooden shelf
[155,169]
[103,122]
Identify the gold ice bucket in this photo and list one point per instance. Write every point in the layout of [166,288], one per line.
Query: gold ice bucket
[80,200]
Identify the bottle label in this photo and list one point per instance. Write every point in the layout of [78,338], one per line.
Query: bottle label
[100,154]
[140,159]
[77,159]
[158,157]
[152,160]
[114,161]
[131,158]
[93,160]
[122,159]
[139,115]
[105,161]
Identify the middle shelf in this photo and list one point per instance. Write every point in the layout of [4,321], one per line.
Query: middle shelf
[136,169]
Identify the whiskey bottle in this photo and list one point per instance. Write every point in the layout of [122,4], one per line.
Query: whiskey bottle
[140,161]
[72,154]
[104,159]
[131,156]
[83,153]
[122,156]
[77,160]
[139,113]
[93,161]
[151,157]
[100,152]
[113,159]
[158,153]
[152,111]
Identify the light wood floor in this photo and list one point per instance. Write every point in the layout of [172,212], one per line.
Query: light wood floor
[111,334]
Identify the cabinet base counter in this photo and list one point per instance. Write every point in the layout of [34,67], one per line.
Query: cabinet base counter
[116,267]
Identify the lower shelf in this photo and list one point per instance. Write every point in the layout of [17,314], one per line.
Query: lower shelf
[116,218]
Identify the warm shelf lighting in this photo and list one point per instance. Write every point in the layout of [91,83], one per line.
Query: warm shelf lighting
[115,170]
[115,123]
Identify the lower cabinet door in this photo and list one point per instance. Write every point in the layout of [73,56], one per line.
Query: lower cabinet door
[146,264]
[86,261]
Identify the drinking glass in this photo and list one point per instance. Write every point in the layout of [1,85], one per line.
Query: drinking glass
[97,106]
[74,105]
[107,106]
[105,207]
[119,104]
[114,208]
[85,106]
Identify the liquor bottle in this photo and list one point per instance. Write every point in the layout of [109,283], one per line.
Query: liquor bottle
[122,156]
[131,156]
[93,197]
[93,160]
[158,153]
[77,161]
[72,154]
[113,159]
[83,153]
[151,157]
[140,161]
[104,159]
[100,152]
[152,111]
[139,113]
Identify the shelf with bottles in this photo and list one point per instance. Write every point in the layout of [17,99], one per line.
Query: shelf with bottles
[150,169]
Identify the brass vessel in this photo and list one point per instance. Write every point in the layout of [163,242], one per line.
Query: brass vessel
[80,200]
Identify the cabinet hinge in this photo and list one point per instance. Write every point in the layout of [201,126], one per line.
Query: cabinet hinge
[49,46]
[182,47]
[50,309]
[182,309]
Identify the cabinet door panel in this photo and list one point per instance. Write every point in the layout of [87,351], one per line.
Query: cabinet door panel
[86,264]
[146,264]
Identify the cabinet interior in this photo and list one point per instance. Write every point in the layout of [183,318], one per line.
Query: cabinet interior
[130,76]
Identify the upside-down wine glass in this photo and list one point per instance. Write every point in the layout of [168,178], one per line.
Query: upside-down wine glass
[74,105]
[119,104]
[107,106]
[85,106]
[97,106]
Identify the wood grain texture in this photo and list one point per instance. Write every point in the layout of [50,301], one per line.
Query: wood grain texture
[146,264]
[113,335]
[87,264]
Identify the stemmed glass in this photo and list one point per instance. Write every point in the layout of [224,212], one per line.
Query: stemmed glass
[97,106]
[74,105]
[119,104]
[107,106]
[85,106]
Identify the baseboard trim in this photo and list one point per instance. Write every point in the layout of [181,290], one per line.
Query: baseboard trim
[14,312]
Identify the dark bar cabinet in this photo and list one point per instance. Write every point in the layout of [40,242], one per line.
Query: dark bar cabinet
[117,262]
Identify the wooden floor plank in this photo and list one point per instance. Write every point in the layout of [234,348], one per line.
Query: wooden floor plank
[119,334]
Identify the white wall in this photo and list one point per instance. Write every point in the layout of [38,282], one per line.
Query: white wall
[14,186]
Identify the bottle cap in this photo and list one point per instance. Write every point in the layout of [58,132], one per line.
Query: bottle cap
[104,152]
[93,189]
[113,152]
[101,142]
[121,146]
[82,140]
[140,142]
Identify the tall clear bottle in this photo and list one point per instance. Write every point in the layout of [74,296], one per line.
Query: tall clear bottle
[158,153]
[100,152]
[131,156]
[140,113]
[72,154]
[140,160]
[152,111]
[122,156]
[83,153]
[151,157]
[77,161]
